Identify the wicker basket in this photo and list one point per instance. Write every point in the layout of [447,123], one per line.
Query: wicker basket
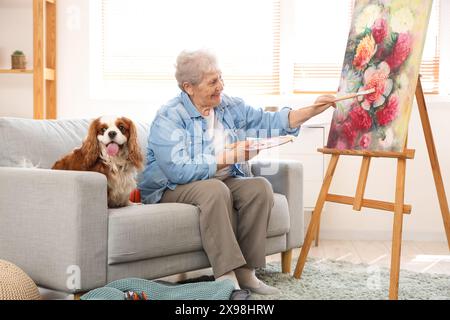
[15,284]
[18,62]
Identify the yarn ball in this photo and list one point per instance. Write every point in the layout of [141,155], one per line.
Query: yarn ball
[15,284]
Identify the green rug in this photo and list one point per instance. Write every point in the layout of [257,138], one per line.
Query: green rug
[340,280]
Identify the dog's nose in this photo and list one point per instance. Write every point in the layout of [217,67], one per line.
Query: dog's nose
[112,134]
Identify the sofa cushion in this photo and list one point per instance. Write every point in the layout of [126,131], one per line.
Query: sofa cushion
[40,143]
[140,232]
[279,222]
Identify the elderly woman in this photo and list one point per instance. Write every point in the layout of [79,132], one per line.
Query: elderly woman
[197,155]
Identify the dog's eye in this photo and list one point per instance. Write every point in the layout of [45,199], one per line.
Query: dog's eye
[102,130]
[122,129]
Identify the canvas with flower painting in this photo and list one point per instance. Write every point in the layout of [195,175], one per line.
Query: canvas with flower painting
[383,52]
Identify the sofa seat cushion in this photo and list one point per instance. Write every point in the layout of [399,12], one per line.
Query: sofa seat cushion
[141,232]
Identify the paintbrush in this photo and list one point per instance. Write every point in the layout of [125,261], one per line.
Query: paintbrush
[344,97]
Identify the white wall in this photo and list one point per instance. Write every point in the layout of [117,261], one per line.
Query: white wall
[16,33]
[425,222]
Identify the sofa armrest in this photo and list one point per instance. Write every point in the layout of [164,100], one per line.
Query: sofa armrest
[54,224]
[286,177]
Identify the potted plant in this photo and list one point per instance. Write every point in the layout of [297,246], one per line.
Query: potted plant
[18,60]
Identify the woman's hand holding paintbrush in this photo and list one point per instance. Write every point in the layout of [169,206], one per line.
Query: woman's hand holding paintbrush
[345,97]
[299,116]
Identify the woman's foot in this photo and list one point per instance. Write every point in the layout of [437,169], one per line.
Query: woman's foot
[230,276]
[262,288]
[248,280]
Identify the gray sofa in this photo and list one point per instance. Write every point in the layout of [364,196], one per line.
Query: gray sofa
[56,226]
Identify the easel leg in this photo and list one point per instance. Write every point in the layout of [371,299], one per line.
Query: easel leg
[315,218]
[316,238]
[361,183]
[397,229]
[433,160]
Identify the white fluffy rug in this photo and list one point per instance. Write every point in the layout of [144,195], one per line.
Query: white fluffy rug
[340,280]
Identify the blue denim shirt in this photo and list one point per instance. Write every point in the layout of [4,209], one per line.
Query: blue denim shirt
[179,150]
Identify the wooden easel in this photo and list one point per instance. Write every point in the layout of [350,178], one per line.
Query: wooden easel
[398,207]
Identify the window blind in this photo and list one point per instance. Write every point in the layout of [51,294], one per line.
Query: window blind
[141,39]
[321,38]
[429,69]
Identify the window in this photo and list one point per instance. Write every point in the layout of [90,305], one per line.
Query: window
[319,54]
[140,40]
[429,69]
[265,47]
[320,42]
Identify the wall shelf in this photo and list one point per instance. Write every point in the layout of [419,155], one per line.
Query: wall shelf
[18,71]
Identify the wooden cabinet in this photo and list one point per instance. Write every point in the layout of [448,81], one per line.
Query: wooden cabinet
[304,149]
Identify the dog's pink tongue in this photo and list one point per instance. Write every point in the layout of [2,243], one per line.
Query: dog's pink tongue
[112,149]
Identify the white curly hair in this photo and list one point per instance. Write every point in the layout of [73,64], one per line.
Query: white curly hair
[191,66]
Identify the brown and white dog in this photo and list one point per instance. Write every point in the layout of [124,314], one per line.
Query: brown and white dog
[110,148]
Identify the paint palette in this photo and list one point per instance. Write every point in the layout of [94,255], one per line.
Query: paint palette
[267,143]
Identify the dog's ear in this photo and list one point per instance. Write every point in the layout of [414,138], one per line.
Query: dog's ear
[134,150]
[90,148]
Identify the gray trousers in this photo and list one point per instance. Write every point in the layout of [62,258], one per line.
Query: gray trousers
[234,215]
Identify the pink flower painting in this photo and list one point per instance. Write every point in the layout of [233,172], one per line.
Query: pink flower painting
[380,30]
[400,52]
[364,52]
[376,77]
[384,54]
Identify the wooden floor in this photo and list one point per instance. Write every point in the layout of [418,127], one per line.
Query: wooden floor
[432,257]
